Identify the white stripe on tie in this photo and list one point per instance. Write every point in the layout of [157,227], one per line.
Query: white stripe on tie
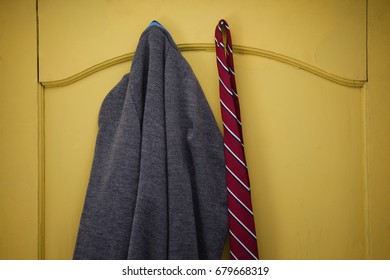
[231,132]
[239,201]
[238,179]
[226,87]
[241,223]
[233,154]
[231,113]
[223,65]
[238,240]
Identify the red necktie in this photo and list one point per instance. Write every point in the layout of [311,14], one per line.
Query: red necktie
[243,242]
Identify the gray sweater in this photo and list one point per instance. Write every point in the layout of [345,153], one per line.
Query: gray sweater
[157,187]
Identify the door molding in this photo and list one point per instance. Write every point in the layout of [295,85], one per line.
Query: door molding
[208,47]
[41,171]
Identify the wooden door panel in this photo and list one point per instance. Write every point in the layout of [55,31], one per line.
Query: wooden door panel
[303,133]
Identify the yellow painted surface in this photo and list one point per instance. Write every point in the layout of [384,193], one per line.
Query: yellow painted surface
[303,134]
[18,130]
[327,34]
[318,152]
[378,129]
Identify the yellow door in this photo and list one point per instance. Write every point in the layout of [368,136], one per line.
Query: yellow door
[18,130]
[303,132]
[310,119]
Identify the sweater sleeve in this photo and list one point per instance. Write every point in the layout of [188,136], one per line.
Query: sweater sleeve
[105,224]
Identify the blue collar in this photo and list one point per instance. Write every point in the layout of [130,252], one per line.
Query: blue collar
[156,23]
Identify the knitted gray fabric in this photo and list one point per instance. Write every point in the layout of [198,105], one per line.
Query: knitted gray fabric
[157,188]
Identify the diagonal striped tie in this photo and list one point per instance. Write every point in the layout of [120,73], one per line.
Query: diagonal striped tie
[243,242]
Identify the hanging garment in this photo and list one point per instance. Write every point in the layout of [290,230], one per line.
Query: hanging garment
[243,241]
[157,187]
